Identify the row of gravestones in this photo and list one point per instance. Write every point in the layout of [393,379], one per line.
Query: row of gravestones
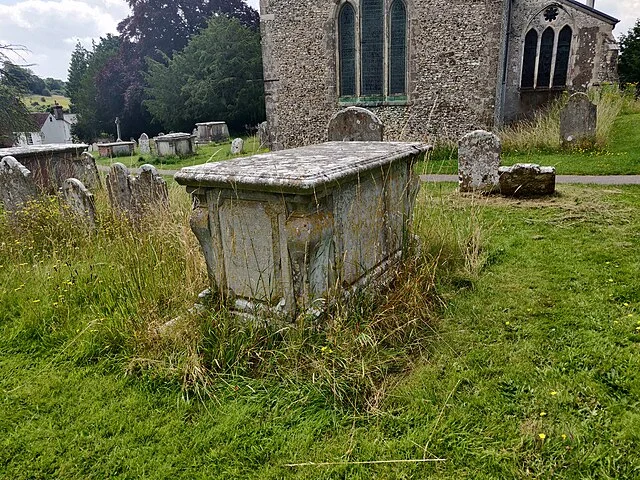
[131,196]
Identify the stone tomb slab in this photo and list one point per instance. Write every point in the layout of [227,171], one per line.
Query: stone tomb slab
[281,230]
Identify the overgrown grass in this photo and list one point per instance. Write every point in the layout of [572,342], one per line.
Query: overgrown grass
[205,154]
[508,348]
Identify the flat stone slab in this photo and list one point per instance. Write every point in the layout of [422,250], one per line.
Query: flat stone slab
[299,170]
[527,180]
[18,152]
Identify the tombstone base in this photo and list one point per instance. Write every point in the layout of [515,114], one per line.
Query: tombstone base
[527,180]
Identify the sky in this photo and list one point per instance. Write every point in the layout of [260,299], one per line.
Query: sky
[50,29]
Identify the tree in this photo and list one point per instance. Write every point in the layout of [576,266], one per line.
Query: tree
[14,116]
[77,68]
[217,76]
[156,29]
[94,115]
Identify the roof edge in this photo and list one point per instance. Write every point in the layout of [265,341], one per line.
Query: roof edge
[592,11]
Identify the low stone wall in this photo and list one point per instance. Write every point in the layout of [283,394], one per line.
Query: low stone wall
[51,165]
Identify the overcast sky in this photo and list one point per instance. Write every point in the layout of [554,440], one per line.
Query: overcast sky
[51,28]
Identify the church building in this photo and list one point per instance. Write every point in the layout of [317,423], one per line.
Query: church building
[426,68]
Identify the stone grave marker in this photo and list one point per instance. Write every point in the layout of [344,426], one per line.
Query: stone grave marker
[87,171]
[578,120]
[143,144]
[527,180]
[263,133]
[149,191]
[79,201]
[236,146]
[119,188]
[16,184]
[478,161]
[355,124]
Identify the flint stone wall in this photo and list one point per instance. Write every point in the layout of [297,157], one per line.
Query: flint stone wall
[51,165]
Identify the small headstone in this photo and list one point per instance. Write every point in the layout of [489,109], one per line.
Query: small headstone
[478,161]
[143,144]
[87,171]
[93,147]
[527,180]
[236,146]
[119,188]
[195,133]
[149,191]
[16,184]
[136,197]
[578,120]
[79,201]
[263,133]
[355,124]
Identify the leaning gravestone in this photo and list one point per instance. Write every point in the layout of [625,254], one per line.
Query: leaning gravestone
[119,188]
[16,185]
[236,146]
[355,124]
[263,133]
[578,120]
[143,144]
[86,171]
[527,180]
[149,191]
[79,201]
[478,161]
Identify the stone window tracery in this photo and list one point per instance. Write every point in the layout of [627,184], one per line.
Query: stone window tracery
[372,51]
[545,62]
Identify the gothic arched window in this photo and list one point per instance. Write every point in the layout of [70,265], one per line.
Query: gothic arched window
[529,62]
[562,57]
[347,47]
[372,46]
[398,48]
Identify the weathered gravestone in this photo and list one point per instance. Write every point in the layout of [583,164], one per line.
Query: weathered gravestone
[136,197]
[263,133]
[236,146]
[355,124]
[527,180]
[143,144]
[79,200]
[16,184]
[478,161]
[578,120]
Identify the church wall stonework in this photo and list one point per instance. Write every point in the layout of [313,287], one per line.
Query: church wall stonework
[453,63]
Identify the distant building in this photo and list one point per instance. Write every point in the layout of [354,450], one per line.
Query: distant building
[52,128]
[426,67]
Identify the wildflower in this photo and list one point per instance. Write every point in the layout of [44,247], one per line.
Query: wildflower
[36,300]
[625,304]
[611,280]
[542,436]
[507,323]
[564,437]
[543,414]
[554,393]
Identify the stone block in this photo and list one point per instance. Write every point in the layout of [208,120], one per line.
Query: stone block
[179,144]
[355,124]
[237,146]
[478,161]
[527,180]
[143,144]
[578,120]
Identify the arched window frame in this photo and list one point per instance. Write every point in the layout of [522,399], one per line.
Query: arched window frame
[362,97]
[554,81]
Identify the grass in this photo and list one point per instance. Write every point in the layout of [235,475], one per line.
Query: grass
[206,153]
[617,151]
[35,103]
[520,321]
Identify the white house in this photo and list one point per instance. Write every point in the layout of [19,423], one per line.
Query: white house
[52,128]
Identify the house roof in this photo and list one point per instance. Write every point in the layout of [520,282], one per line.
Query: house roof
[591,11]
[39,119]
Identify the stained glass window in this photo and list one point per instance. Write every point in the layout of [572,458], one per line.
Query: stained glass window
[347,48]
[546,58]
[562,57]
[372,47]
[398,48]
[529,62]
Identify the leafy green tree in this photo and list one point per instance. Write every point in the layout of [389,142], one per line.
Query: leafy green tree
[629,61]
[77,68]
[94,116]
[14,116]
[217,76]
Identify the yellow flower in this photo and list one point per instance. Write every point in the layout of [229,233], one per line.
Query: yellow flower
[36,301]
[564,437]
[554,393]
[543,414]
[542,436]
